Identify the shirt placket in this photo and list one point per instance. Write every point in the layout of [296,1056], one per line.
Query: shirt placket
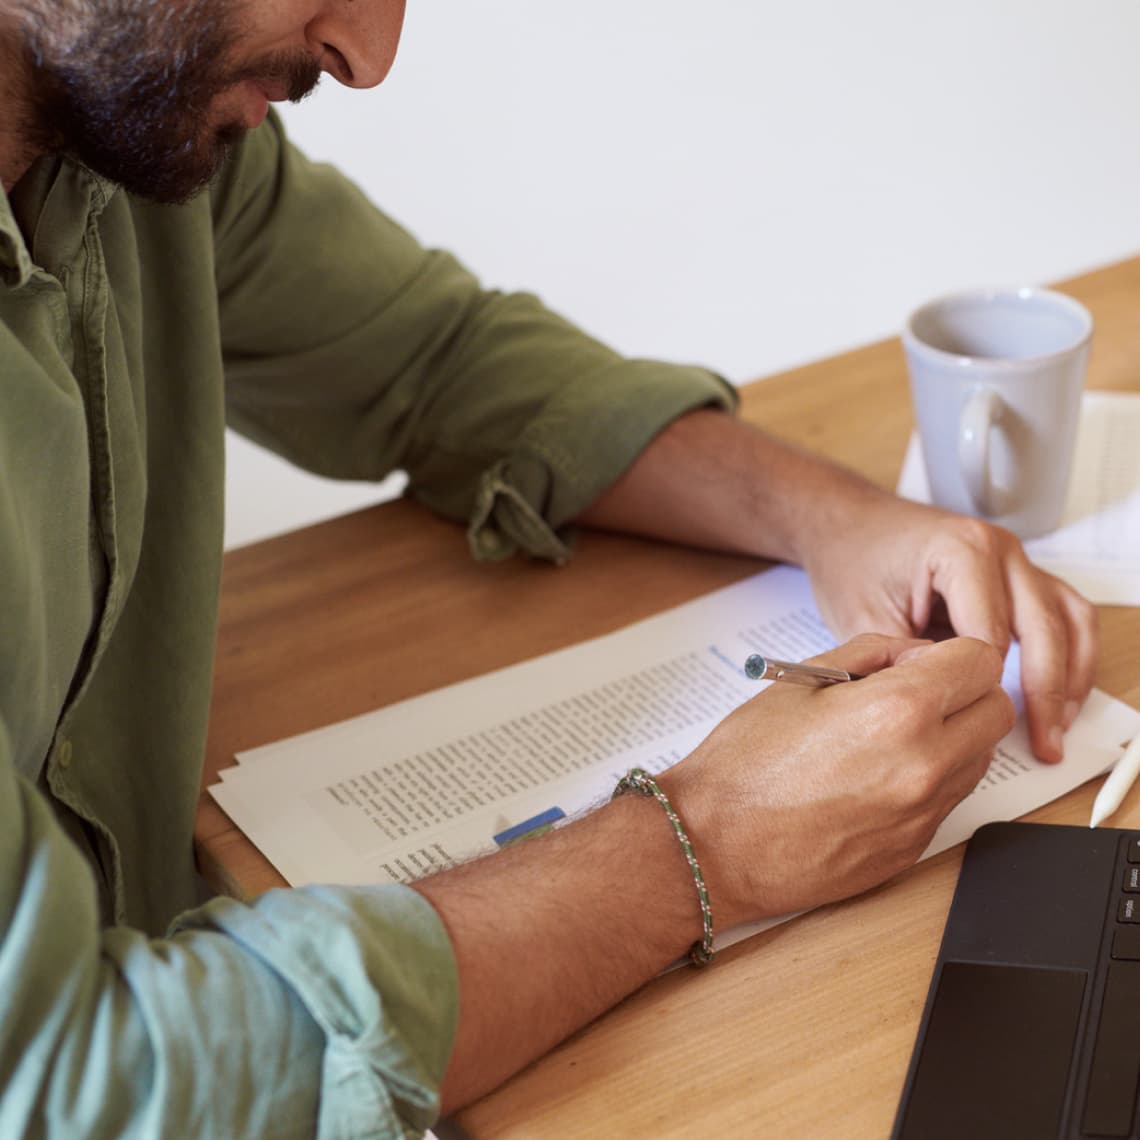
[83,277]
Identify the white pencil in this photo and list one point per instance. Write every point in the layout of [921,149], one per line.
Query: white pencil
[1117,783]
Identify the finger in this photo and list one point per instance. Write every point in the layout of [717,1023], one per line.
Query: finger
[952,674]
[970,576]
[966,749]
[974,732]
[1084,647]
[868,653]
[1041,623]
[914,651]
[960,755]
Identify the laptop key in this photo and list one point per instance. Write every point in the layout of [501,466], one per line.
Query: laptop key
[1132,879]
[1126,943]
[1128,910]
[1111,1098]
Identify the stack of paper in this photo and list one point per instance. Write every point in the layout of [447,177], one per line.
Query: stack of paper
[420,785]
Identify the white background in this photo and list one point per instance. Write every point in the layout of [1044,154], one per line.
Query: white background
[742,183]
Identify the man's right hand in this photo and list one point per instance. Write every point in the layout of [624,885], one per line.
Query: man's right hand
[803,796]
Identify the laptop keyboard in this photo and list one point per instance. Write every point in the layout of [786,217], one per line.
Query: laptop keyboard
[1031,1029]
[1110,1104]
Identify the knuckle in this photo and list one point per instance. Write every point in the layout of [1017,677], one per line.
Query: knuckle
[982,537]
[927,786]
[916,786]
[1085,612]
[1045,689]
[1008,716]
[979,763]
[903,710]
[1008,722]
[1054,626]
[989,658]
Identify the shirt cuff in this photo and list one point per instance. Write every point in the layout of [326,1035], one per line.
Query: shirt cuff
[581,444]
[374,968]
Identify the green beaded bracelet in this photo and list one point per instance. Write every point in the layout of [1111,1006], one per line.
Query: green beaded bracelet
[639,780]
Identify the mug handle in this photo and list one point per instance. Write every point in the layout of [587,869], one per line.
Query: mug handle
[982,411]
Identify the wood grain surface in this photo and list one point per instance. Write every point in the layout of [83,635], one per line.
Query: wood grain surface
[803,1031]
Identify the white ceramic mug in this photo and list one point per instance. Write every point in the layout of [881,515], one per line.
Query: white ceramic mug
[996,377]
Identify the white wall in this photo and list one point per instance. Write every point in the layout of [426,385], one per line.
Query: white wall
[744,183]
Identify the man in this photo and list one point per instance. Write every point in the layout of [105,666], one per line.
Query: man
[156,238]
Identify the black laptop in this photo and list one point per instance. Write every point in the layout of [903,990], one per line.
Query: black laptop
[1032,1024]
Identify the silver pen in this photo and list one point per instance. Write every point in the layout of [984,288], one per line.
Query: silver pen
[761,668]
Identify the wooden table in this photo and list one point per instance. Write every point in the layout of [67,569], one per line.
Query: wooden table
[801,1032]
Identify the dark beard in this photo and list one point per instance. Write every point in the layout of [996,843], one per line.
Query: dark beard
[130,95]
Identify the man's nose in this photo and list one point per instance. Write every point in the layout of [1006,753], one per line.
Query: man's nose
[357,39]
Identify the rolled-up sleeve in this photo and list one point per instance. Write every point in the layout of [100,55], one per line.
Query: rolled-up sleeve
[315,1012]
[354,351]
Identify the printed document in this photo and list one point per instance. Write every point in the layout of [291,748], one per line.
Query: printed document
[431,781]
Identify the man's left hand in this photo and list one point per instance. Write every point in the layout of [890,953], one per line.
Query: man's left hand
[903,568]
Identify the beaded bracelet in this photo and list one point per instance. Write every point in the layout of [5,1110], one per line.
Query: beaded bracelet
[639,780]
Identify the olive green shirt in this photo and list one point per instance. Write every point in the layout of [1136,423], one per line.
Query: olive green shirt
[282,302]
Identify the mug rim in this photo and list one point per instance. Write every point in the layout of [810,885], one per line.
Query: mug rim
[911,338]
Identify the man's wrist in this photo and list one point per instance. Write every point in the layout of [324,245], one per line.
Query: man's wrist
[639,781]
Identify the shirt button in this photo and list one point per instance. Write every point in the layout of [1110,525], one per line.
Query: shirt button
[63,757]
[489,542]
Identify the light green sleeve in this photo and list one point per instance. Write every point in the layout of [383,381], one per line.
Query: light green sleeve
[353,351]
[293,1017]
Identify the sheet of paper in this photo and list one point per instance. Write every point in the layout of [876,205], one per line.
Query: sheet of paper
[1096,549]
[420,785]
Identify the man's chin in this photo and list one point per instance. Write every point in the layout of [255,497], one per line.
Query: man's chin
[173,178]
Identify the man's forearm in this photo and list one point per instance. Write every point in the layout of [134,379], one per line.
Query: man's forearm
[713,481]
[552,932]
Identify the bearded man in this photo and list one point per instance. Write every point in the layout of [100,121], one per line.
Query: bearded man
[168,264]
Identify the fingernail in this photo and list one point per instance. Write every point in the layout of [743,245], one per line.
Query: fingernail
[1070,714]
[1056,738]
